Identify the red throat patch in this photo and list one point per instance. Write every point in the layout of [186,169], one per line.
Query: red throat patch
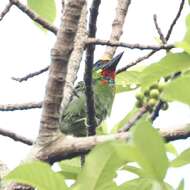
[108,73]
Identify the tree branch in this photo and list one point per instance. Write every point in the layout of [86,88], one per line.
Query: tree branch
[60,55]
[162,38]
[140,59]
[6,10]
[127,45]
[15,136]
[117,25]
[24,106]
[175,20]
[31,75]
[75,59]
[31,14]
[90,104]
[68,147]
[134,119]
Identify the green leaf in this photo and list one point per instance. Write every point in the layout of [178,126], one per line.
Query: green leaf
[102,129]
[70,168]
[127,81]
[170,64]
[138,171]
[182,159]
[184,44]
[171,149]
[101,165]
[181,185]
[178,90]
[46,9]
[125,120]
[37,174]
[150,150]
[137,184]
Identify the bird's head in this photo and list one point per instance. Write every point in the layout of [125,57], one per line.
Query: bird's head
[105,68]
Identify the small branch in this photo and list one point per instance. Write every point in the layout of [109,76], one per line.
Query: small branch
[5,11]
[175,20]
[156,112]
[34,16]
[90,104]
[140,59]
[127,45]
[162,38]
[15,136]
[64,148]
[134,119]
[24,106]
[30,75]
[117,25]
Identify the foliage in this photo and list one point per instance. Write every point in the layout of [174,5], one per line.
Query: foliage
[46,9]
[145,149]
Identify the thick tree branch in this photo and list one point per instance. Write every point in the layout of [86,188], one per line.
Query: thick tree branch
[75,59]
[15,136]
[30,75]
[6,10]
[90,104]
[34,16]
[117,25]
[64,148]
[60,55]
[24,106]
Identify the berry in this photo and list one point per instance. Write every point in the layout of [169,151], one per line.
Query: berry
[161,86]
[154,86]
[152,102]
[139,96]
[146,93]
[139,104]
[154,93]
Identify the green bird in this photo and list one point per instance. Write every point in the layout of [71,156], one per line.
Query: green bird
[73,119]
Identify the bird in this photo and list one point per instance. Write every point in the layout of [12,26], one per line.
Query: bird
[73,118]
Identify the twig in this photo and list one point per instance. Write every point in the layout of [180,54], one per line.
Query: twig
[175,20]
[30,75]
[134,119]
[162,38]
[158,107]
[155,114]
[136,62]
[15,136]
[117,25]
[24,106]
[90,104]
[127,45]
[64,148]
[6,10]
[34,16]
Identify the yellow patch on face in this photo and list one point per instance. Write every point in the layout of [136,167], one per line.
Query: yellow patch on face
[105,57]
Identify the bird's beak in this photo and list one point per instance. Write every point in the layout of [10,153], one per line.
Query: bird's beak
[112,64]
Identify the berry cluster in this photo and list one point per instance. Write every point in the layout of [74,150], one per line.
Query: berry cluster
[151,97]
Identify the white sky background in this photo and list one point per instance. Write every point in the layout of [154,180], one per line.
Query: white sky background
[24,49]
